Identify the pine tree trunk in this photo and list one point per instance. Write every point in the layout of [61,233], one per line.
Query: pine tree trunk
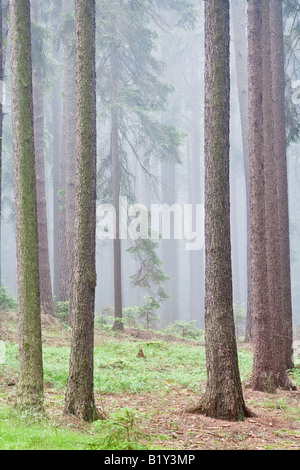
[271,213]
[70,154]
[262,376]
[3,42]
[38,109]
[278,76]
[80,390]
[170,248]
[56,110]
[118,307]
[30,384]
[223,398]
[240,44]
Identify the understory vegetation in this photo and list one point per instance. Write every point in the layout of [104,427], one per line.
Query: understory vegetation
[133,392]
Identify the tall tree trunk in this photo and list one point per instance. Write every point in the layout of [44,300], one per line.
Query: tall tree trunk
[38,109]
[170,257]
[70,153]
[118,324]
[278,76]
[80,390]
[262,376]
[56,110]
[30,384]
[196,257]
[240,45]
[271,212]
[3,41]
[223,398]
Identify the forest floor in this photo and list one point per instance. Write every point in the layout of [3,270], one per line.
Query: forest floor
[145,399]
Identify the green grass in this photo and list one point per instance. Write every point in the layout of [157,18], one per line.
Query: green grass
[19,432]
[167,367]
[118,370]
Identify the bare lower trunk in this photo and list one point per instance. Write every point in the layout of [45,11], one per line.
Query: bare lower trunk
[240,44]
[30,383]
[271,213]
[118,307]
[80,390]
[38,108]
[278,76]
[70,154]
[262,376]
[223,398]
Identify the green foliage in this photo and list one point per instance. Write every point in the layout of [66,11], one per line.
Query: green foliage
[148,311]
[106,318]
[6,301]
[142,96]
[130,315]
[188,329]
[122,432]
[61,311]
[150,275]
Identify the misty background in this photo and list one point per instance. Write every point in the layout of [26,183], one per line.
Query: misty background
[182,51]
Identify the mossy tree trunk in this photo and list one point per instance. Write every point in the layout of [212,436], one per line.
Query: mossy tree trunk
[80,390]
[30,384]
[223,398]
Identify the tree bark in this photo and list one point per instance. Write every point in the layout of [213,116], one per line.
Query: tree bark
[3,41]
[70,154]
[262,376]
[223,398]
[38,109]
[278,76]
[80,390]
[271,211]
[240,44]
[56,110]
[30,384]
[118,307]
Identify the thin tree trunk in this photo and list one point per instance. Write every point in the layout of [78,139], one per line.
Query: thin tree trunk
[3,41]
[70,154]
[240,44]
[30,384]
[80,390]
[278,76]
[170,247]
[118,324]
[223,398]
[38,108]
[56,155]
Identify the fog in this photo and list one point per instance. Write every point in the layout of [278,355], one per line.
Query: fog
[153,181]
